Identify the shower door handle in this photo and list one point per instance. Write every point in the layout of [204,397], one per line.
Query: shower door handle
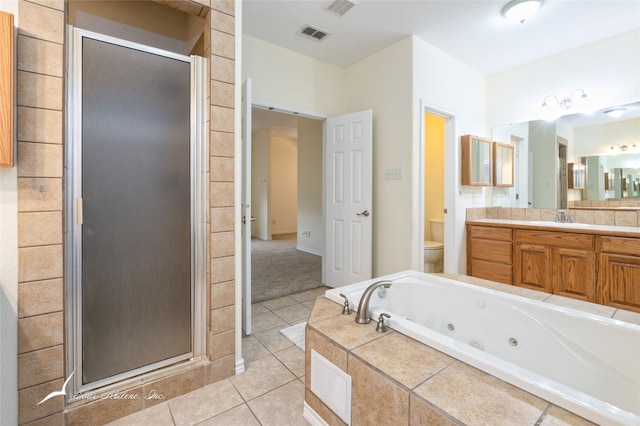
[244,219]
[364,213]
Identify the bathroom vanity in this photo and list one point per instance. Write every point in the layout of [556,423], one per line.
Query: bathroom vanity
[593,263]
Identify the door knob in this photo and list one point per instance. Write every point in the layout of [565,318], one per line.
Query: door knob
[244,219]
[364,213]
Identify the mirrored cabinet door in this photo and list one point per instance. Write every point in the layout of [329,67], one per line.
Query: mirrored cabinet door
[502,164]
[477,157]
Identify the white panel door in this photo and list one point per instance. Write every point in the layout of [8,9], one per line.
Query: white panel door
[246,207]
[348,185]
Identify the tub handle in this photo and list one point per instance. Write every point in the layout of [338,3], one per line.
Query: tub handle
[381,327]
[345,309]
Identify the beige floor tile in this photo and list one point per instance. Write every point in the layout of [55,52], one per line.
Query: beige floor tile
[257,309]
[201,404]
[293,314]
[239,416]
[273,340]
[309,295]
[252,349]
[293,359]
[278,303]
[282,406]
[266,321]
[262,375]
[158,415]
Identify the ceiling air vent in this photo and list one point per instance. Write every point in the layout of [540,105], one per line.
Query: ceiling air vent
[313,33]
[340,7]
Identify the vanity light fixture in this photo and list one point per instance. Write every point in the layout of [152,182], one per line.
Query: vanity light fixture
[565,103]
[553,110]
[624,147]
[521,10]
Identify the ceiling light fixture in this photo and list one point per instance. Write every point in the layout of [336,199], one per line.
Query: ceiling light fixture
[521,10]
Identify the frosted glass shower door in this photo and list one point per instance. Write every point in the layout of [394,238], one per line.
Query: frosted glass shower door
[136,260]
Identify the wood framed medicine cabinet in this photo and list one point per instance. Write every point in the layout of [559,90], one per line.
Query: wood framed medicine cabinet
[477,160]
[576,175]
[7,63]
[502,164]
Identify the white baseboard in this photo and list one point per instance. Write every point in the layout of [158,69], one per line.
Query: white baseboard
[312,417]
[308,250]
[240,366]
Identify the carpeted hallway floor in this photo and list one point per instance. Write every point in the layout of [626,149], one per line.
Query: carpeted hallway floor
[279,269]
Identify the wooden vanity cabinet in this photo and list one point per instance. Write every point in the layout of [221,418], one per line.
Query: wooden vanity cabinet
[560,263]
[489,253]
[619,275]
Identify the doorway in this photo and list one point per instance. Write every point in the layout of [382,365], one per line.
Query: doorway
[434,148]
[286,202]
[561,167]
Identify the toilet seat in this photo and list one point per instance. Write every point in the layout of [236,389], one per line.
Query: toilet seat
[433,245]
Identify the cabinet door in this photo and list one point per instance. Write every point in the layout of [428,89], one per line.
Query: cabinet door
[574,274]
[620,281]
[533,267]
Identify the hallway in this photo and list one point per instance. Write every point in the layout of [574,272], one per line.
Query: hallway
[269,392]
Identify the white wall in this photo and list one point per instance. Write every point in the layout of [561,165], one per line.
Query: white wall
[310,135]
[382,82]
[607,70]
[288,78]
[447,85]
[9,278]
[283,203]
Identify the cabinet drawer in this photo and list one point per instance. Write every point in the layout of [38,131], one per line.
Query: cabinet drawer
[491,271]
[620,245]
[493,251]
[555,239]
[489,233]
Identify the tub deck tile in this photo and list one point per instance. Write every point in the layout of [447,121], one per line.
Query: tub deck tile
[487,399]
[413,362]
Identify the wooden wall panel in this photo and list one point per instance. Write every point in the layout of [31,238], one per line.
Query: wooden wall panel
[6,89]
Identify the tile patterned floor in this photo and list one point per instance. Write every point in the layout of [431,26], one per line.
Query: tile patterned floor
[269,392]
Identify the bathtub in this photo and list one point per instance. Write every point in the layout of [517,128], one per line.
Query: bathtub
[584,363]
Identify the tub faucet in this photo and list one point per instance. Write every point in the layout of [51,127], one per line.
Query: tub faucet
[362,316]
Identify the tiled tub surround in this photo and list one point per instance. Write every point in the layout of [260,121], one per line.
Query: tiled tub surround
[403,381]
[589,217]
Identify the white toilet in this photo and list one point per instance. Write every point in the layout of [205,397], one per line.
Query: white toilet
[434,250]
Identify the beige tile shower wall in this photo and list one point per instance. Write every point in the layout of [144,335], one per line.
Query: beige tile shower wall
[40,101]
[221,330]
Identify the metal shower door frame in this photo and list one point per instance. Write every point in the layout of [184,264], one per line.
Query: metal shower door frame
[73,213]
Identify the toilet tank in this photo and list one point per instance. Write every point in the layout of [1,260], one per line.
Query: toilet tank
[437,229]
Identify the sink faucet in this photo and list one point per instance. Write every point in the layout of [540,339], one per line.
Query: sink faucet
[362,316]
[562,217]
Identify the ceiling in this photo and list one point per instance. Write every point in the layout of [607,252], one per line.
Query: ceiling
[472,31]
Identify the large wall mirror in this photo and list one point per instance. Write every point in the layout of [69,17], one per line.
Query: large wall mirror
[608,142]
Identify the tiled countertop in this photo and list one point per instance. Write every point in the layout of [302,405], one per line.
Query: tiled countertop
[584,228]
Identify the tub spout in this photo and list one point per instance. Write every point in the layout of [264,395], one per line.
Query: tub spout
[362,316]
